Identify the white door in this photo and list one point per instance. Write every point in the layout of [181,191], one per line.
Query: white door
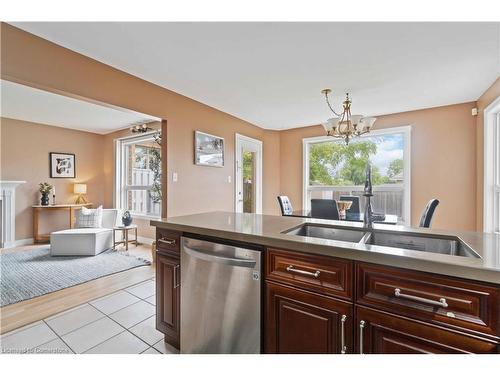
[248,173]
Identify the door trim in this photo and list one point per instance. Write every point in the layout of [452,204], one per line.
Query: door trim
[258,186]
[491,121]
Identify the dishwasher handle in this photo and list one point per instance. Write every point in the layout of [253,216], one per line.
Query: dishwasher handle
[239,262]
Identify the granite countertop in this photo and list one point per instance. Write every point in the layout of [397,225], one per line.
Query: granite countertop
[267,230]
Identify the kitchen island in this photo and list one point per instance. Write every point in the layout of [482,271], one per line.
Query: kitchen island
[336,287]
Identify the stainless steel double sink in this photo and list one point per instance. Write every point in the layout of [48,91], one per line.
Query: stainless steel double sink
[447,245]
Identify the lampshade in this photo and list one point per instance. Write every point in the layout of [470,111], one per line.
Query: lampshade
[80,188]
[355,119]
[368,122]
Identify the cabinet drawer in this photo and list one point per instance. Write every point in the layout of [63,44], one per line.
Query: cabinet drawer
[383,333]
[320,274]
[168,240]
[447,301]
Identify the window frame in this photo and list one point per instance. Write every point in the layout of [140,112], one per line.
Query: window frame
[120,186]
[404,129]
[491,183]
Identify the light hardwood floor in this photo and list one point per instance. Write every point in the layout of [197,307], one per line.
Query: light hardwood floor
[29,311]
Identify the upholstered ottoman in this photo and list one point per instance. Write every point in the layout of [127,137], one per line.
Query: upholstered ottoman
[81,241]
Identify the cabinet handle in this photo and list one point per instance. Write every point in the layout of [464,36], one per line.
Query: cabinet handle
[441,303]
[167,241]
[316,274]
[342,334]
[177,282]
[361,329]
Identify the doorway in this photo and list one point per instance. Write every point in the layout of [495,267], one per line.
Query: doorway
[248,174]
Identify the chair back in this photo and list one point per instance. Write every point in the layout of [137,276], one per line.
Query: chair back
[324,209]
[109,216]
[355,202]
[427,215]
[285,205]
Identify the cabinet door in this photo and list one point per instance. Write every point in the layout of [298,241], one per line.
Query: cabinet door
[303,322]
[168,298]
[382,333]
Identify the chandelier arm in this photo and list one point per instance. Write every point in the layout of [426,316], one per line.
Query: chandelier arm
[330,106]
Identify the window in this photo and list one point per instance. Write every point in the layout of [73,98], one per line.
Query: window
[492,167]
[138,175]
[332,169]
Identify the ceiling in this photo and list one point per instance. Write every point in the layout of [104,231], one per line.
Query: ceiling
[271,74]
[29,104]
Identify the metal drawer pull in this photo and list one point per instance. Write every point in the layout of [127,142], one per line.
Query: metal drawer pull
[441,303]
[177,282]
[302,272]
[167,241]
[361,329]
[343,349]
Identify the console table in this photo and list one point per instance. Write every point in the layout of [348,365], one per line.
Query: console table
[71,208]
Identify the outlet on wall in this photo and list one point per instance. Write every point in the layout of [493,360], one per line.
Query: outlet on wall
[229,179]
[174,177]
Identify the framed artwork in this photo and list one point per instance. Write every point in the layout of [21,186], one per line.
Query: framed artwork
[208,149]
[62,165]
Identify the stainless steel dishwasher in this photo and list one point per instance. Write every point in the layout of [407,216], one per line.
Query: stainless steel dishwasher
[220,298]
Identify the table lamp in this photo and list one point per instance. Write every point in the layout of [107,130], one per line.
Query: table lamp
[81,190]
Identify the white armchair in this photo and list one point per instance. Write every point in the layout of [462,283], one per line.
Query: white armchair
[85,241]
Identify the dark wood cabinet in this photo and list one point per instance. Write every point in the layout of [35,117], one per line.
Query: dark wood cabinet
[303,322]
[383,333]
[168,297]
[168,241]
[320,304]
[394,310]
[464,305]
[319,274]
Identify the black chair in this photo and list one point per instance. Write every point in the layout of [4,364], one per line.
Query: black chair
[355,203]
[285,205]
[324,209]
[425,221]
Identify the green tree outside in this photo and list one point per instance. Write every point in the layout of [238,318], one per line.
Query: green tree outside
[395,168]
[152,163]
[337,164]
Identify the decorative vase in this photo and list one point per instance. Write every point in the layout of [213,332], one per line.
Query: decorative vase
[126,220]
[342,207]
[45,199]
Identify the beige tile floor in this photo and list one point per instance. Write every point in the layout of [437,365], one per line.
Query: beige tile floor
[122,322]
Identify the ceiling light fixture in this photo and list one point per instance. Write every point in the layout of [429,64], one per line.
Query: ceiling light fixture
[345,125]
[144,128]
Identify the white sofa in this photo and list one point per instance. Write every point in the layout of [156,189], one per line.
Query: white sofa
[85,241]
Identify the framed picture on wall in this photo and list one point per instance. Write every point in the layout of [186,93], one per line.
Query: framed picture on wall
[62,165]
[208,149]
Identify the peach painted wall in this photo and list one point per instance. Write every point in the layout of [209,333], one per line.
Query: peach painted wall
[484,100]
[25,148]
[443,162]
[33,61]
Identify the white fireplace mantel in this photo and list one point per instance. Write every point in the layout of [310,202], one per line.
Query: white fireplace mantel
[8,209]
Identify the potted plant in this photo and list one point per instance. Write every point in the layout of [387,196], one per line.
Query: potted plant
[126,218]
[45,189]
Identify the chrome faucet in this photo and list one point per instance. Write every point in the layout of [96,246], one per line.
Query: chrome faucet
[368,193]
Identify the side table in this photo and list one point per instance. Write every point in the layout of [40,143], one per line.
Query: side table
[125,231]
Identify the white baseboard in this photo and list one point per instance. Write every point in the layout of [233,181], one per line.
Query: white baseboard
[144,240]
[23,242]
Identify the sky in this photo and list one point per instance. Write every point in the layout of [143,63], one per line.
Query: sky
[389,147]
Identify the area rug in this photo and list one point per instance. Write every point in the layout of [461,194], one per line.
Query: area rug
[32,273]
